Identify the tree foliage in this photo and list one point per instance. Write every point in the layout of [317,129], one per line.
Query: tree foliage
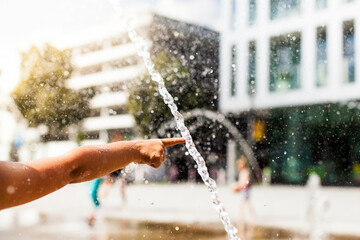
[147,105]
[42,96]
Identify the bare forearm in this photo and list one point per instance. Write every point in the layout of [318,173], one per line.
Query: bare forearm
[24,182]
[90,162]
[38,178]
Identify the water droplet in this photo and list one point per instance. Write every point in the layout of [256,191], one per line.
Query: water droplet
[10,189]
[141,45]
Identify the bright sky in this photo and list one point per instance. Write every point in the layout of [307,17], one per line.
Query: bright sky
[27,22]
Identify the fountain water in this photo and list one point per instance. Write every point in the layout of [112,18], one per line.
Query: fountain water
[318,206]
[235,133]
[168,99]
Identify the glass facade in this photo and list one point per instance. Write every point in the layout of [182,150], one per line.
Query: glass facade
[307,135]
[233,71]
[252,12]
[252,68]
[321,57]
[285,62]
[284,8]
[324,139]
[233,15]
[348,52]
[321,4]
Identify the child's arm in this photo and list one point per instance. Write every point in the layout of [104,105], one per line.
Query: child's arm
[24,182]
[243,182]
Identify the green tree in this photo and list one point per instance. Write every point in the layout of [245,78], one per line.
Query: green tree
[147,105]
[42,96]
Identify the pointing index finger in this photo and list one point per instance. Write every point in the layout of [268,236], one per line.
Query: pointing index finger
[172,141]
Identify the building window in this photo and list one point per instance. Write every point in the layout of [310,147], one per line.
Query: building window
[284,8]
[90,69]
[120,40]
[91,135]
[91,47]
[252,12]
[285,62]
[321,57]
[348,52]
[116,110]
[252,68]
[233,71]
[95,112]
[233,15]
[321,4]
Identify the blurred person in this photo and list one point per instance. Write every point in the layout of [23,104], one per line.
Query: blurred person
[221,177]
[243,188]
[99,189]
[111,180]
[192,175]
[25,182]
[116,175]
[94,194]
[174,173]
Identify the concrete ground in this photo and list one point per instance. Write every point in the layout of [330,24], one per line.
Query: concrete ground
[63,214]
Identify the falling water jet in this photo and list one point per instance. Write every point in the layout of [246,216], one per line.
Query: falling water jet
[215,116]
[185,133]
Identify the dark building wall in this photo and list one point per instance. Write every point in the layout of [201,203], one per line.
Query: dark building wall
[321,138]
[197,48]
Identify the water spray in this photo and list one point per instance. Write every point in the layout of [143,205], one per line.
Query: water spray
[143,51]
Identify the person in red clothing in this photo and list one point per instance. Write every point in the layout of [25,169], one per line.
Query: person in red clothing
[25,182]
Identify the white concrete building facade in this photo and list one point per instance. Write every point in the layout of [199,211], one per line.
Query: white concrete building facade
[105,60]
[289,73]
[278,53]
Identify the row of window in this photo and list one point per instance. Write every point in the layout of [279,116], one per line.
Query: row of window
[117,110]
[285,59]
[111,65]
[278,9]
[101,44]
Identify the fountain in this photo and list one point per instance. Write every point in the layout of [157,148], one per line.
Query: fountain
[318,206]
[238,137]
[185,133]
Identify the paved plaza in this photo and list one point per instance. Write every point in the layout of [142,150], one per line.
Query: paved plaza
[281,207]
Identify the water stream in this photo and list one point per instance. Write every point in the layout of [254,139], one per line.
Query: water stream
[143,51]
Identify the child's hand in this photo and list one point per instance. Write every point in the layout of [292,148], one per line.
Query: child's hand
[81,164]
[152,152]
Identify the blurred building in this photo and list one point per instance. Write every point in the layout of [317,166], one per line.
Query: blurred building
[106,61]
[10,139]
[289,74]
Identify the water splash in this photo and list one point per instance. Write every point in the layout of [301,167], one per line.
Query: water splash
[143,51]
[317,209]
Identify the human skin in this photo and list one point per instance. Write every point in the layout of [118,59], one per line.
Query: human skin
[24,182]
[244,175]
